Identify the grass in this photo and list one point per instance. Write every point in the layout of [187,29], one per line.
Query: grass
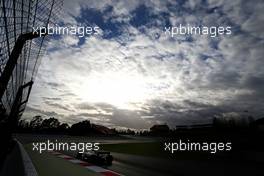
[145,149]
[152,149]
[47,164]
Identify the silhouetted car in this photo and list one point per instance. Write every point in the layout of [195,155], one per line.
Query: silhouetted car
[96,157]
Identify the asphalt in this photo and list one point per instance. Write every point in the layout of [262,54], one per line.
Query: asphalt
[133,165]
[124,168]
[208,167]
[13,165]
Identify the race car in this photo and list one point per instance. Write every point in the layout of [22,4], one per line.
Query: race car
[98,157]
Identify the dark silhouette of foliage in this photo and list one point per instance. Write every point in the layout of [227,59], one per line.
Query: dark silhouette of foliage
[81,128]
[36,122]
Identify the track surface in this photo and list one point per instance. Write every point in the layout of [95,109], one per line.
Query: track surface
[133,165]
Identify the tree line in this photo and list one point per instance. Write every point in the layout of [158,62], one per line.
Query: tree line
[53,126]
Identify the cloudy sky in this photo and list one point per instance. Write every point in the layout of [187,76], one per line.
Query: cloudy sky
[134,75]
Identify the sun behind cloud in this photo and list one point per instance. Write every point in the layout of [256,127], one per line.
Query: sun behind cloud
[112,88]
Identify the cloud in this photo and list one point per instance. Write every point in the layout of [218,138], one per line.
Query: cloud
[135,71]
[31,111]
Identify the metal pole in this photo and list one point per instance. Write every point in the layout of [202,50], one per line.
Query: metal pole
[12,61]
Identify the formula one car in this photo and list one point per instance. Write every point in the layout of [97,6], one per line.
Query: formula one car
[96,157]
